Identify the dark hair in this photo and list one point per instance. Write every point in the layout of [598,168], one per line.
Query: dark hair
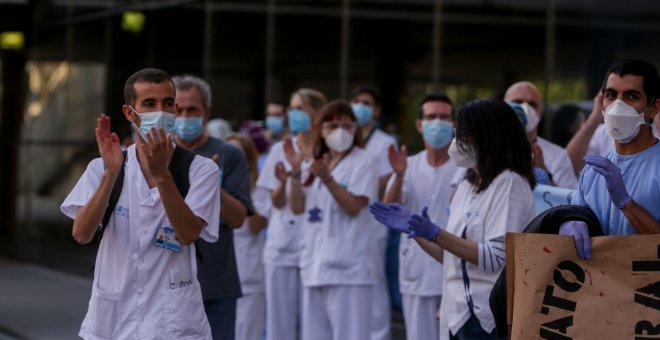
[434,97]
[145,75]
[640,68]
[331,111]
[368,89]
[498,139]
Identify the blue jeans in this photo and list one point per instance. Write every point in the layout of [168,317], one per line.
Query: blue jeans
[222,317]
[472,330]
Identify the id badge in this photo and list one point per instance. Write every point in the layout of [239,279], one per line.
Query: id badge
[165,238]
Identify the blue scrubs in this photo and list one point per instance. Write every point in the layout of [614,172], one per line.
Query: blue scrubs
[640,175]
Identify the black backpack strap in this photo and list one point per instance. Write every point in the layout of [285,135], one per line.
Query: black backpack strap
[180,169]
[112,202]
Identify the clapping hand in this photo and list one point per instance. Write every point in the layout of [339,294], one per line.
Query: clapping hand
[108,143]
[423,227]
[398,160]
[394,215]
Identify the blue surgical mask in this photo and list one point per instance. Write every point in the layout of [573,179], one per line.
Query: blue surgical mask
[157,119]
[275,125]
[299,121]
[363,112]
[189,128]
[437,133]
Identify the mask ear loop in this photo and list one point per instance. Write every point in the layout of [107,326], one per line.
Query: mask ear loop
[137,129]
[647,109]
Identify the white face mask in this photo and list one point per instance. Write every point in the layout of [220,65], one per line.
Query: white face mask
[461,159]
[532,117]
[622,121]
[339,140]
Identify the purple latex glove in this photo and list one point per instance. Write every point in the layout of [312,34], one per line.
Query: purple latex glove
[613,179]
[580,233]
[422,226]
[393,215]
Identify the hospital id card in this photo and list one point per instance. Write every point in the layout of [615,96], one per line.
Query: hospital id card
[165,238]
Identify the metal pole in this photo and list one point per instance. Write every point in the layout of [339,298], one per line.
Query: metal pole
[208,41]
[549,51]
[269,51]
[436,43]
[344,48]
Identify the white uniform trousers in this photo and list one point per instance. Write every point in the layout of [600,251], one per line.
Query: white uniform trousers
[283,301]
[380,306]
[336,312]
[250,316]
[419,315]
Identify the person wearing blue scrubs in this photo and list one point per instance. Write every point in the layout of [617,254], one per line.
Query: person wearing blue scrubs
[623,188]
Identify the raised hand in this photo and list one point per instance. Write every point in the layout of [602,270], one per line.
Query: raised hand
[157,152]
[393,215]
[422,226]
[109,147]
[320,167]
[580,233]
[280,172]
[398,159]
[613,179]
[294,158]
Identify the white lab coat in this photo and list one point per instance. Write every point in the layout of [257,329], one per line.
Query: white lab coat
[141,290]
[507,205]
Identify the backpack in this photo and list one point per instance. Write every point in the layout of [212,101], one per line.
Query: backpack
[179,168]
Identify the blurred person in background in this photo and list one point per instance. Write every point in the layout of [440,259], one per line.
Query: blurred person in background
[335,263]
[284,241]
[275,122]
[142,284]
[365,101]
[622,187]
[423,180]
[492,199]
[548,156]
[216,261]
[248,246]
[257,134]
[566,122]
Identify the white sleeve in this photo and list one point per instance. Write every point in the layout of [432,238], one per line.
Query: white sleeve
[204,195]
[262,202]
[510,211]
[267,178]
[564,175]
[84,188]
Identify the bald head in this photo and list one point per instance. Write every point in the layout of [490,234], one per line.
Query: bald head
[525,92]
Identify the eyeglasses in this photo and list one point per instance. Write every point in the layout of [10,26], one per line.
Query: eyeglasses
[345,126]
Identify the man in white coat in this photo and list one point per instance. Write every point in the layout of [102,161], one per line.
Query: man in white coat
[548,156]
[419,181]
[145,279]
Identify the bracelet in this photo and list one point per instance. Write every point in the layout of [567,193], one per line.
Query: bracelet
[294,175]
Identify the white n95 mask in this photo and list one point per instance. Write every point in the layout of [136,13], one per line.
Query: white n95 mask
[339,140]
[461,159]
[622,121]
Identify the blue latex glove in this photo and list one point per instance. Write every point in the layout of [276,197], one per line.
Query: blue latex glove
[613,179]
[580,233]
[393,215]
[422,226]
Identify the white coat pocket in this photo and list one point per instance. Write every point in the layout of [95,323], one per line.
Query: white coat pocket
[106,310]
[183,313]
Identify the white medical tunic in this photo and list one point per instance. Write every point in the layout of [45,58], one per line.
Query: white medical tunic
[423,186]
[140,290]
[336,248]
[558,164]
[249,250]
[507,205]
[284,240]
[640,175]
[376,146]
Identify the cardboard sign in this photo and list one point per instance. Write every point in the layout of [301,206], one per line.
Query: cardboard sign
[552,294]
[546,197]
